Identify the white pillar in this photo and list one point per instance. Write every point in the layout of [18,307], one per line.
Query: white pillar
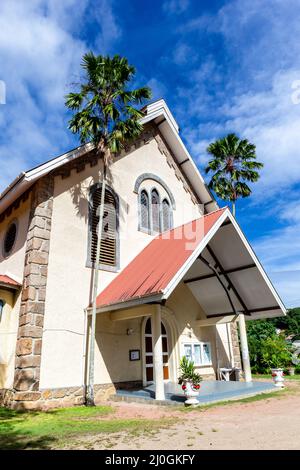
[244,348]
[157,354]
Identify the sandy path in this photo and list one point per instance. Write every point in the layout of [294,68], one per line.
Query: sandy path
[272,423]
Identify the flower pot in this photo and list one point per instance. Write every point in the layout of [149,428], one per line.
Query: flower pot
[291,370]
[191,391]
[278,378]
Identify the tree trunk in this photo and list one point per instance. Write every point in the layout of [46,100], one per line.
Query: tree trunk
[233,208]
[90,396]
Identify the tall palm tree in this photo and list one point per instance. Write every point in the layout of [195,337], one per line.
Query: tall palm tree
[104,114]
[233,164]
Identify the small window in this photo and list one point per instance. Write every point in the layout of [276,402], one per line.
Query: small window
[166,215]
[144,211]
[199,353]
[206,356]
[109,240]
[10,238]
[155,210]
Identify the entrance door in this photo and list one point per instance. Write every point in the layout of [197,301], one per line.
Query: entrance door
[149,352]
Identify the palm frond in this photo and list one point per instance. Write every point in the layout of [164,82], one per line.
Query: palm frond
[232,165]
[104,108]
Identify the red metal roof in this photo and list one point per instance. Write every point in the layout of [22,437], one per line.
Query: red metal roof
[151,271]
[8,281]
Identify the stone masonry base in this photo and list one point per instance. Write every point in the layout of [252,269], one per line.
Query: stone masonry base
[59,397]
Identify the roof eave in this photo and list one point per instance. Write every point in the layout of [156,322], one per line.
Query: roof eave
[26,179]
[157,112]
[129,303]
[163,118]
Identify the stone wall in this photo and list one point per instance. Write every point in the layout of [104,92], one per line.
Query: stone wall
[31,319]
[235,345]
[60,397]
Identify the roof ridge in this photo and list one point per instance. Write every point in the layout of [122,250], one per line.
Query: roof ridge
[221,209]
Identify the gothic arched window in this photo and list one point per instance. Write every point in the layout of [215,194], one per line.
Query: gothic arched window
[144,211]
[166,215]
[155,210]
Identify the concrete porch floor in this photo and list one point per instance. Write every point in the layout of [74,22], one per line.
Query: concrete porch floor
[210,392]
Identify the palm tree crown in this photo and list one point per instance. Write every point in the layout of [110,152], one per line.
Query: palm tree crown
[104,106]
[233,164]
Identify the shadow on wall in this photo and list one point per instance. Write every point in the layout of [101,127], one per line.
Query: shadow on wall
[80,197]
[114,344]
[3,374]
[223,356]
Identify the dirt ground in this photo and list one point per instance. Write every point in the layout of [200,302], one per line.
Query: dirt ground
[270,423]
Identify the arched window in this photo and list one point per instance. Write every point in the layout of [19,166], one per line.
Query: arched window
[155,210]
[109,238]
[166,215]
[144,211]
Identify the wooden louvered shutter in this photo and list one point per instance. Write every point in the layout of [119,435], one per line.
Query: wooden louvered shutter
[108,251]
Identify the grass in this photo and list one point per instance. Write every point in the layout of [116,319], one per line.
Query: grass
[268,376]
[261,396]
[57,428]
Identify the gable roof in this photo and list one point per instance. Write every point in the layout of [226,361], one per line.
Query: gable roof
[152,270]
[159,113]
[173,256]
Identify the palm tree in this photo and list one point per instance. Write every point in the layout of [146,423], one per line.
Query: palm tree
[233,164]
[104,114]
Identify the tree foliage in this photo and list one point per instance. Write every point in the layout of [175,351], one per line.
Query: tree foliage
[267,348]
[104,107]
[290,323]
[232,166]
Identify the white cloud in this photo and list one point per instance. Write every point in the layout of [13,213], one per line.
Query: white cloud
[40,54]
[158,88]
[279,251]
[183,54]
[175,6]
[250,92]
[287,283]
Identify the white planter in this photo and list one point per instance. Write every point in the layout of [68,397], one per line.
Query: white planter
[191,393]
[278,378]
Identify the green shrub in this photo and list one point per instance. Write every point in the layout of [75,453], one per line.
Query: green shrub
[275,353]
[188,372]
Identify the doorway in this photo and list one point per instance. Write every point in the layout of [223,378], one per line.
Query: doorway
[149,365]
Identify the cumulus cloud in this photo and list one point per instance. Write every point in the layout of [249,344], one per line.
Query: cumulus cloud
[40,53]
[252,88]
[175,6]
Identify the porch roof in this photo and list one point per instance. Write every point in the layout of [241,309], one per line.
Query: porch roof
[212,257]
[7,281]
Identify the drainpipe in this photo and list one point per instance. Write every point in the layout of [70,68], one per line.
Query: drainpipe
[84,354]
[244,348]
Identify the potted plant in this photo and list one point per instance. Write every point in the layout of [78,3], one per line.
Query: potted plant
[291,370]
[276,355]
[189,380]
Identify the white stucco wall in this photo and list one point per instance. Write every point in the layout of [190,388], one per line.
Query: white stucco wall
[8,336]
[13,266]
[69,280]
[112,364]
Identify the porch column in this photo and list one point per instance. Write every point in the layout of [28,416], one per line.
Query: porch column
[157,354]
[244,348]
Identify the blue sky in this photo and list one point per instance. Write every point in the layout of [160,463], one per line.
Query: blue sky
[221,66]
